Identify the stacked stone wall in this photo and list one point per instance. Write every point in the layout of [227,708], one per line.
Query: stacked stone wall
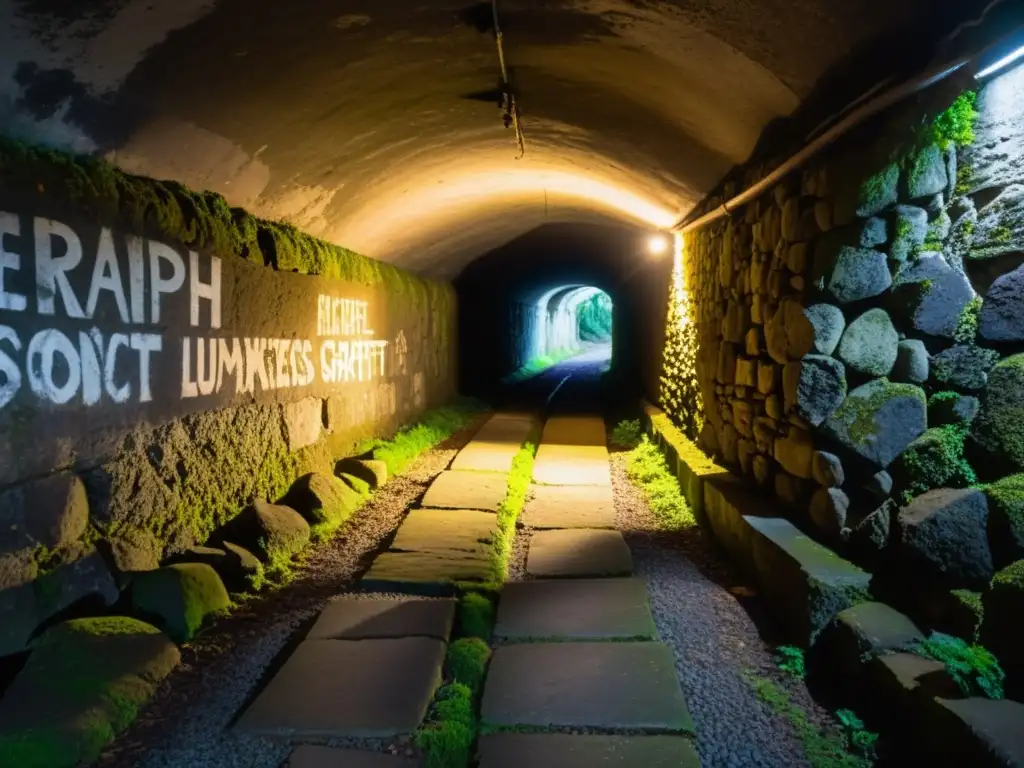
[860,352]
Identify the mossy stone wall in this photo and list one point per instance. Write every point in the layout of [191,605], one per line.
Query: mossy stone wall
[851,342]
[171,397]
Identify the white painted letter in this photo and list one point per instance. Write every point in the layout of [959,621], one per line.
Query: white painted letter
[51,273]
[15,302]
[255,364]
[41,351]
[188,387]
[90,345]
[124,392]
[157,284]
[144,344]
[106,276]
[232,363]
[9,369]
[200,290]
[327,369]
[206,365]
[136,278]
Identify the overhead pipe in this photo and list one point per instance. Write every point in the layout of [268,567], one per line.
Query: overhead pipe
[852,120]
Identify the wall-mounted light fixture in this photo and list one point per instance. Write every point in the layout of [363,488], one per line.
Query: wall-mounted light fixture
[658,245]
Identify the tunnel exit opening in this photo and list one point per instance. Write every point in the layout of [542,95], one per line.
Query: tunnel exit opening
[568,321]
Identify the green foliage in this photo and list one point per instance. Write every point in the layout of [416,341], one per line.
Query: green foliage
[447,738]
[434,427]
[475,616]
[181,597]
[858,413]
[627,433]
[968,611]
[1011,577]
[791,661]
[999,428]
[594,318]
[647,469]
[540,364]
[955,126]
[1006,507]
[831,748]
[512,505]
[934,460]
[973,668]
[467,661]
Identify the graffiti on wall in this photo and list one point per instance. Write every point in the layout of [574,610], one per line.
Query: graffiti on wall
[108,319]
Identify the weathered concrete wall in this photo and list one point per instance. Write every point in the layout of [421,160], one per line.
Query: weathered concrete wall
[852,341]
[154,380]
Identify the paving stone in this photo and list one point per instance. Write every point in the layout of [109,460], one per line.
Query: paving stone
[585,685]
[496,444]
[437,530]
[576,609]
[348,689]
[467,490]
[571,465]
[427,573]
[574,430]
[570,506]
[558,750]
[578,552]
[309,756]
[347,618]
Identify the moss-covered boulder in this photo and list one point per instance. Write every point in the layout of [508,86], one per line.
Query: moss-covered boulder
[813,387]
[964,367]
[269,531]
[869,344]
[926,173]
[1003,606]
[357,484]
[85,681]
[952,408]
[878,420]
[322,499]
[930,295]
[998,432]
[180,597]
[1006,519]
[238,568]
[933,460]
[912,364]
[828,323]
[878,192]
[848,273]
[911,229]
[1002,315]
[942,540]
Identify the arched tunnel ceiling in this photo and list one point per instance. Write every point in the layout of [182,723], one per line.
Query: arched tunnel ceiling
[364,121]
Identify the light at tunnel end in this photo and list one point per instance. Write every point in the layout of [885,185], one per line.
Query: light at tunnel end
[658,245]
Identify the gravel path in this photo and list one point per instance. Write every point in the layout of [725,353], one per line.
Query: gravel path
[187,723]
[714,637]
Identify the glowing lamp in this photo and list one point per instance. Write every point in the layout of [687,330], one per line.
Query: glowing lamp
[1002,63]
[657,245]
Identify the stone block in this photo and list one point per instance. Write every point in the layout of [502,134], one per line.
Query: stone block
[805,584]
[570,506]
[828,323]
[456,489]
[869,344]
[746,372]
[311,756]
[578,553]
[931,295]
[814,387]
[322,499]
[269,531]
[980,732]
[795,453]
[51,512]
[336,689]
[303,421]
[911,366]
[585,685]
[354,618]
[878,420]
[789,333]
[560,750]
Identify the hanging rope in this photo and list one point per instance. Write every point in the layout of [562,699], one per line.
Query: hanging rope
[511,116]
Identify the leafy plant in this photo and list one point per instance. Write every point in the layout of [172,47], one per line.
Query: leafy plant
[955,126]
[467,661]
[648,470]
[447,738]
[510,507]
[627,433]
[860,740]
[476,616]
[594,318]
[973,667]
[791,661]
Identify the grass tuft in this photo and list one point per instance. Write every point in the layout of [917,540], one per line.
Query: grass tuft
[973,668]
[512,505]
[627,434]
[647,469]
[475,616]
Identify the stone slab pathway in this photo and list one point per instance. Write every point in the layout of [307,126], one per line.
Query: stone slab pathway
[556,750]
[610,686]
[465,489]
[436,530]
[497,443]
[570,506]
[578,552]
[308,756]
[348,689]
[575,609]
[572,452]
[347,618]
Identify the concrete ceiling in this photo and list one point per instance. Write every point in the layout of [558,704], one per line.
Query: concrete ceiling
[363,121]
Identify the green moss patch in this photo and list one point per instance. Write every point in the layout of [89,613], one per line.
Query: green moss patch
[954,126]
[999,429]
[647,468]
[433,428]
[934,460]
[467,661]
[180,597]
[972,667]
[512,505]
[85,681]
[967,612]
[475,617]
[538,365]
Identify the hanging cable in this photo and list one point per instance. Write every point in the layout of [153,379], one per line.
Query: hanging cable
[511,116]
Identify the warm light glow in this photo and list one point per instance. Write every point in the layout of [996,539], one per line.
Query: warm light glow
[1001,64]
[657,245]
